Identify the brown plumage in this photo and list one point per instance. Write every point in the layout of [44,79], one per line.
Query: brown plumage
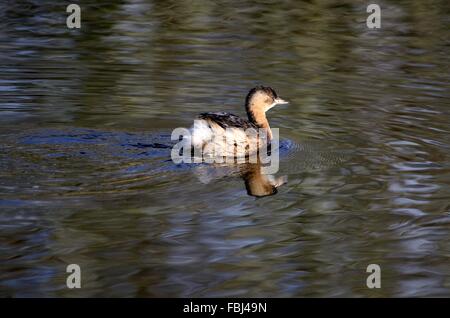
[210,128]
[227,120]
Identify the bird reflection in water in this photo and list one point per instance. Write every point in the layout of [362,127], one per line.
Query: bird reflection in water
[256,182]
[259,184]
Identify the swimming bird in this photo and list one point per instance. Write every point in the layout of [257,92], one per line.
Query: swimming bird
[217,131]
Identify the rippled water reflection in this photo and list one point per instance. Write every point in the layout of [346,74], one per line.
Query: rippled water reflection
[85,176]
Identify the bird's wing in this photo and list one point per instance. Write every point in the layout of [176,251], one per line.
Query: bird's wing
[227,120]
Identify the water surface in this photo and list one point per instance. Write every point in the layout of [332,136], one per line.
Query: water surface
[86,177]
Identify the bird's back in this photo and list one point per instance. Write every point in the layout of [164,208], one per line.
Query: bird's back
[227,120]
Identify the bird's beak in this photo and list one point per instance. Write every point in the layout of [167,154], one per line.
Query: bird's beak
[277,101]
[280,101]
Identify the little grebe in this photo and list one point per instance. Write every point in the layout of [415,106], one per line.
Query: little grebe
[215,130]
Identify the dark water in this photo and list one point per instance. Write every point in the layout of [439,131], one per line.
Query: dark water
[85,176]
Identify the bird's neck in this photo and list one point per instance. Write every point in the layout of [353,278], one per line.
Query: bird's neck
[258,117]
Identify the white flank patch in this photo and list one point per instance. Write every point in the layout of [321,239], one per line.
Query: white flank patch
[201,133]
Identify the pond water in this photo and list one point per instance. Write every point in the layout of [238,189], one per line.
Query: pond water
[85,170]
